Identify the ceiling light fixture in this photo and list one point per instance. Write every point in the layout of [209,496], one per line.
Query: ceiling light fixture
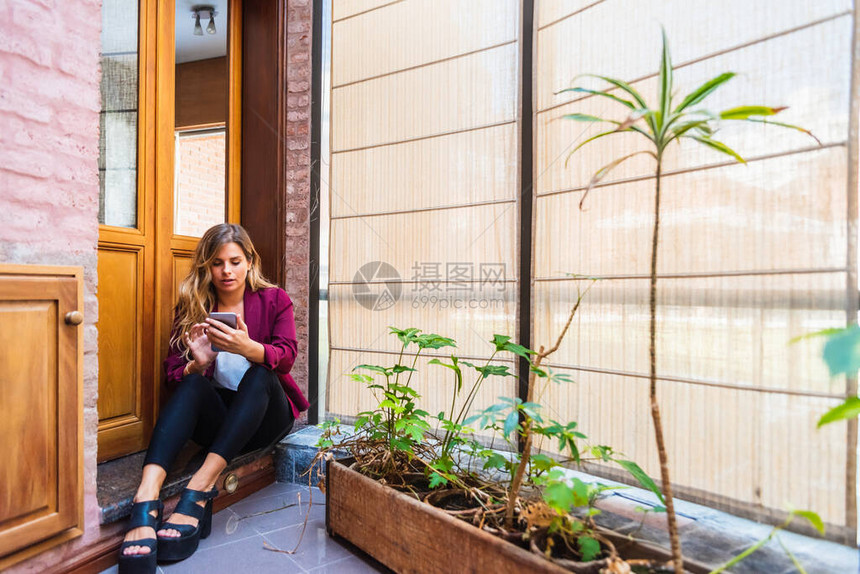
[204,11]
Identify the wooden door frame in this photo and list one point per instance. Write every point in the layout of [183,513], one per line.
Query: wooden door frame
[266,172]
[168,245]
[264,114]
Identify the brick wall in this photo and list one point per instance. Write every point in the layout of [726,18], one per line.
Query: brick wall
[49,104]
[298,193]
[200,182]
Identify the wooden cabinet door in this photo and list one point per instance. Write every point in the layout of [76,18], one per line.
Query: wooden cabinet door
[41,440]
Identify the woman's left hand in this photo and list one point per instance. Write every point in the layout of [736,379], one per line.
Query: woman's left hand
[232,340]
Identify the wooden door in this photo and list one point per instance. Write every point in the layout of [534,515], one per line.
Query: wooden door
[41,385]
[142,261]
[127,234]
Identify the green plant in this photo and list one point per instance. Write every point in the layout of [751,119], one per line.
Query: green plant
[393,441]
[813,519]
[525,428]
[560,495]
[660,125]
[504,418]
[842,354]
[396,423]
[455,424]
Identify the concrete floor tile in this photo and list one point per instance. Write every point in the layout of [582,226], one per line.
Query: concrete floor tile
[316,548]
[277,512]
[351,565]
[275,489]
[246,555]
[227,528]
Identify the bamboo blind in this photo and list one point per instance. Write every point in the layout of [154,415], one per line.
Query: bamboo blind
[424,172]
[750,256]
[424,177]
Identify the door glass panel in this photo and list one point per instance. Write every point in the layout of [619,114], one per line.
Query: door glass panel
[199,199]
[200,170]
[118,117]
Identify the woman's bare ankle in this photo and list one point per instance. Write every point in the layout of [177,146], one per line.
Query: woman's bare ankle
[146,493]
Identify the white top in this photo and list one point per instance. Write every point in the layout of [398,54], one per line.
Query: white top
[229,370]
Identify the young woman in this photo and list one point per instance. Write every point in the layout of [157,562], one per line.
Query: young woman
[240,397]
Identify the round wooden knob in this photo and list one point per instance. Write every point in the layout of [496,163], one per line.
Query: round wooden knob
[74,318]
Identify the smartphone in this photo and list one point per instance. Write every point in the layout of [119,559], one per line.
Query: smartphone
[228,319]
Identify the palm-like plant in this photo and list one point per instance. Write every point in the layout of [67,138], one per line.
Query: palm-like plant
[661,125]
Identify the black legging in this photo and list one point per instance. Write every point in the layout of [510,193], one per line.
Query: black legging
[254,416]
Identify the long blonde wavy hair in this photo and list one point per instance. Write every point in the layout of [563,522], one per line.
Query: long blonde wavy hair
[197,295]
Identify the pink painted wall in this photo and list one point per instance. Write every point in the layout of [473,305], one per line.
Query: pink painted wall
[49,121]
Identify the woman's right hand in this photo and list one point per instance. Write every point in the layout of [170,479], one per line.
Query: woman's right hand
[198,343]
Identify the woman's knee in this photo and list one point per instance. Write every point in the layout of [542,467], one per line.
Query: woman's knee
[192,387]
[258,379]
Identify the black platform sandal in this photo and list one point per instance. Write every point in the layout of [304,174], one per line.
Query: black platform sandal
[141,516]
[172,549]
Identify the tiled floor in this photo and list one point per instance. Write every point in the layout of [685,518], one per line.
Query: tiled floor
[271,517]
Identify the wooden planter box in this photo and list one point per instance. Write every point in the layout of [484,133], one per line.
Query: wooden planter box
[412,537]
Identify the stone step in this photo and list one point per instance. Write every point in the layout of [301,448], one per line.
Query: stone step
[117,480]
[294,455]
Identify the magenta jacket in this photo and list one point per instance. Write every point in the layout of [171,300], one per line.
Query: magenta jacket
[269,316]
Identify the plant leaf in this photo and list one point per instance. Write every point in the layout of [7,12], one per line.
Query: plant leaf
[618,84]
[375,368]
[842,351]
[719,146]
[704,91]
[684,127]
[511,422]
[848,410]
[589,547]
[665,85]
[745,112]
[406,336]
[589,140]
[587,118]
[490,370]
[458,374]
[627,103]
[812,517]
[437,480]
[604,171]
[821,333]
[641,476]
[559,496]
[433,341]
[784,125]
[518,350]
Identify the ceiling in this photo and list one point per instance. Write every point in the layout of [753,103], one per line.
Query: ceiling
[190,47]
